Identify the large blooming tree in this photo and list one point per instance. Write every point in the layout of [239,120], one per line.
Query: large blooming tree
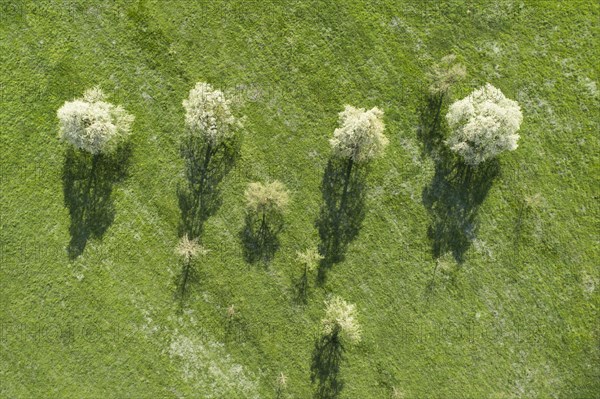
[340,321]
[484,124]
[359,137]
[208,115]
[92,124]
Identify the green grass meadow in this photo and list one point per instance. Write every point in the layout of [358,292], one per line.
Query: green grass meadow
[516,316]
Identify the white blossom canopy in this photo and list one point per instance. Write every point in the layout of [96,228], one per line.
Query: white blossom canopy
[208,114]
[484,124]
[92,124]
[360,135]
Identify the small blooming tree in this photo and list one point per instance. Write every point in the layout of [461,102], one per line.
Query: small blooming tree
[92,124]
[266,201]
[340,321]
[484,124]
[360,136]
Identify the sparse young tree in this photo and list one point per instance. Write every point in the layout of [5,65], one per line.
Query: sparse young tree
[266,201]
[309,259]
[396,393]
[231,312]
[340,321]
[281,385]
[444,75]
[92,124]
[188,250]
[360,136]
[484,124]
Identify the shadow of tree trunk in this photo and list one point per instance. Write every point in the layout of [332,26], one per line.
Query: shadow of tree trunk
[188,276]
[343,190]
[326,358]
[300,288]
[87,187]
[200,197]
[457,190]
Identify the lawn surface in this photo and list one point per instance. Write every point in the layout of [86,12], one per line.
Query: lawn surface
[490,293]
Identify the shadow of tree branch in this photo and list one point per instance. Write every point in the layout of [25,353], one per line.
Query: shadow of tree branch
[188,276]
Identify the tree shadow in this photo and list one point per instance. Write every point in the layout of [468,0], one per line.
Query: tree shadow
[236,331]
[324,371]
[260,240]
[188,276]
[343,190]
[205,168]
[300,288]
[87,187]
[457,190]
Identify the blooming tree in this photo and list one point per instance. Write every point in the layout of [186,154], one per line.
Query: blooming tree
[92,124]
[208,115]
[188,249]
[309,259]
[266,199]
[360,135]
[340,321]
[484,124]
[281,385]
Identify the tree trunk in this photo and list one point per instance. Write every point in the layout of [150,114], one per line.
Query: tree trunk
[186,270]
[91,179]
[346,183]
[342,207]
[207,156]
[263,225]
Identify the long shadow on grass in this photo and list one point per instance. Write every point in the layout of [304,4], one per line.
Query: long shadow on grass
[343,190]
[326,358]
[87,186]
[200,196]
[456,192]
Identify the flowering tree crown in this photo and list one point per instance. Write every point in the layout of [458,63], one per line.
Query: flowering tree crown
[309,258]
[189,248]
[360,135]
[484,124]
[266,198]
[92,124]
[445,74]
[340,318]
[208,114]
